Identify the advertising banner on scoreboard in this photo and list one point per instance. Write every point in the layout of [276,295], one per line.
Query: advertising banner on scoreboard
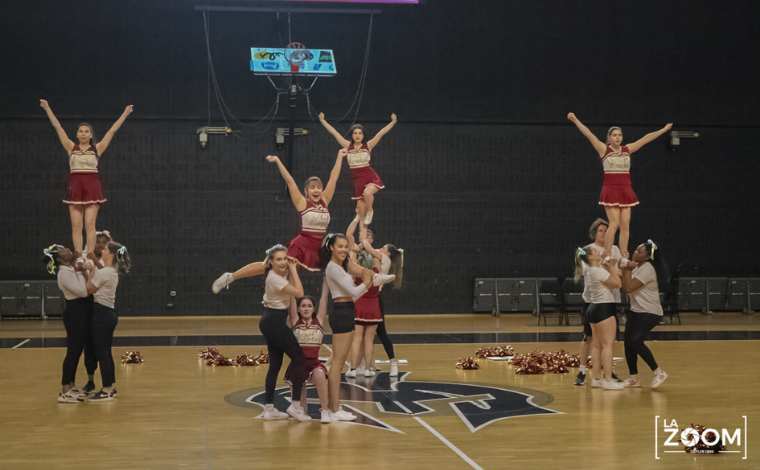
[308,62]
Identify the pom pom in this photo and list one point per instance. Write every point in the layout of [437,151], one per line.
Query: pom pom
[132,357]
[262,358]
[208,353]
[700,447]
[498,351]
[246,360]
[220,361]
[467,364]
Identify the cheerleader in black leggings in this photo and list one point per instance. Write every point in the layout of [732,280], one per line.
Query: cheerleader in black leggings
[278,295]
[641,279]
[102,283]
[76,318]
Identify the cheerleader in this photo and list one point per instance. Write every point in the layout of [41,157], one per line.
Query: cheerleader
[597,233]
[84,195]
[366,181]
[617,195]
[78,309]
[306,323]
[601,280]
[102,284]
[641,279]
[312,205]
[280,340]
[333,259]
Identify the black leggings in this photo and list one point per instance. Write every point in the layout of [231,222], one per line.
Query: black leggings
[281,340]
[76,319]
[104,321]
[382,333]
[637,327]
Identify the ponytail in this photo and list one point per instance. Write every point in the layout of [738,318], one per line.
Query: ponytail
[581,256]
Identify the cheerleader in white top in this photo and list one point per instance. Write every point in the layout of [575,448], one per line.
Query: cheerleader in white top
[306,323]
[73,284]
[315,217]
[333,258]
[282,284]
[641,279]
[617,195]
[366,181]
[601,280]
[84,195]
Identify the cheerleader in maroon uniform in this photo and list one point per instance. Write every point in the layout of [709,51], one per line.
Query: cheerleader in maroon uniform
[366,181]
[312,205]
[306,324]
[85,194]
[617,195]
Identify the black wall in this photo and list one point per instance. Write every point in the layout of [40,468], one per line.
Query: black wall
[485,176]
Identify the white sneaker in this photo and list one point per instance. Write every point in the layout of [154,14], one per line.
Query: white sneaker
[369,373]
[351,373]
[298,413]
[68,398]
[596,383]
[612,385]
[394,369]
[325,416]
[74,391]
[632,382]
[360,370]
[380,279]
[342,415]
[224,281]
[659,379]
[368,217]
[273,414]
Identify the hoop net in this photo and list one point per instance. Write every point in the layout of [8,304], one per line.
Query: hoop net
[296,54]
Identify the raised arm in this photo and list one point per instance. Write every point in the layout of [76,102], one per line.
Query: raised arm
[292,314]
[350,232]
[371,144]
[322,310]
[598,145]
[648,138]
[294,287]
[376,254]
[65,141]
[295,193]
[341,140]
[612,282]
[329,191]
[91,288]
[630,284]
[103,144]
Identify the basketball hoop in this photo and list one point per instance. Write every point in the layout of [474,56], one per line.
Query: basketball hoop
[296,54]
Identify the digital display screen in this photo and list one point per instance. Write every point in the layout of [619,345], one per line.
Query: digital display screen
[308,62]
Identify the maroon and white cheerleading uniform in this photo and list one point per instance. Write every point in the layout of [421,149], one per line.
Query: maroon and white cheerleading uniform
[84,186]
[368,305]
[310,338]
[617,190]
[305,247]
[361,172]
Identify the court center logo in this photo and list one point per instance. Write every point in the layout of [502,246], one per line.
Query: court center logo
[670,438]
[373,399]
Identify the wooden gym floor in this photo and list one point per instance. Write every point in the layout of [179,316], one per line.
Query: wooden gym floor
[175,412]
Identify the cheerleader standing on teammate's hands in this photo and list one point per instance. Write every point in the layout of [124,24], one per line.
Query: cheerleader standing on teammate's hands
[617,195]
[84,195]
[366,181]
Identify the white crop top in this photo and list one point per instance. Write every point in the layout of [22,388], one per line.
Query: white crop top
[341,283]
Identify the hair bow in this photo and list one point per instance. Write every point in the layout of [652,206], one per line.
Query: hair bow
[326,239]
[401,250]
[654,247]
[49,251]
[580,251]
[269,251]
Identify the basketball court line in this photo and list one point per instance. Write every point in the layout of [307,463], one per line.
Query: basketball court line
[21,343]
[441,438]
